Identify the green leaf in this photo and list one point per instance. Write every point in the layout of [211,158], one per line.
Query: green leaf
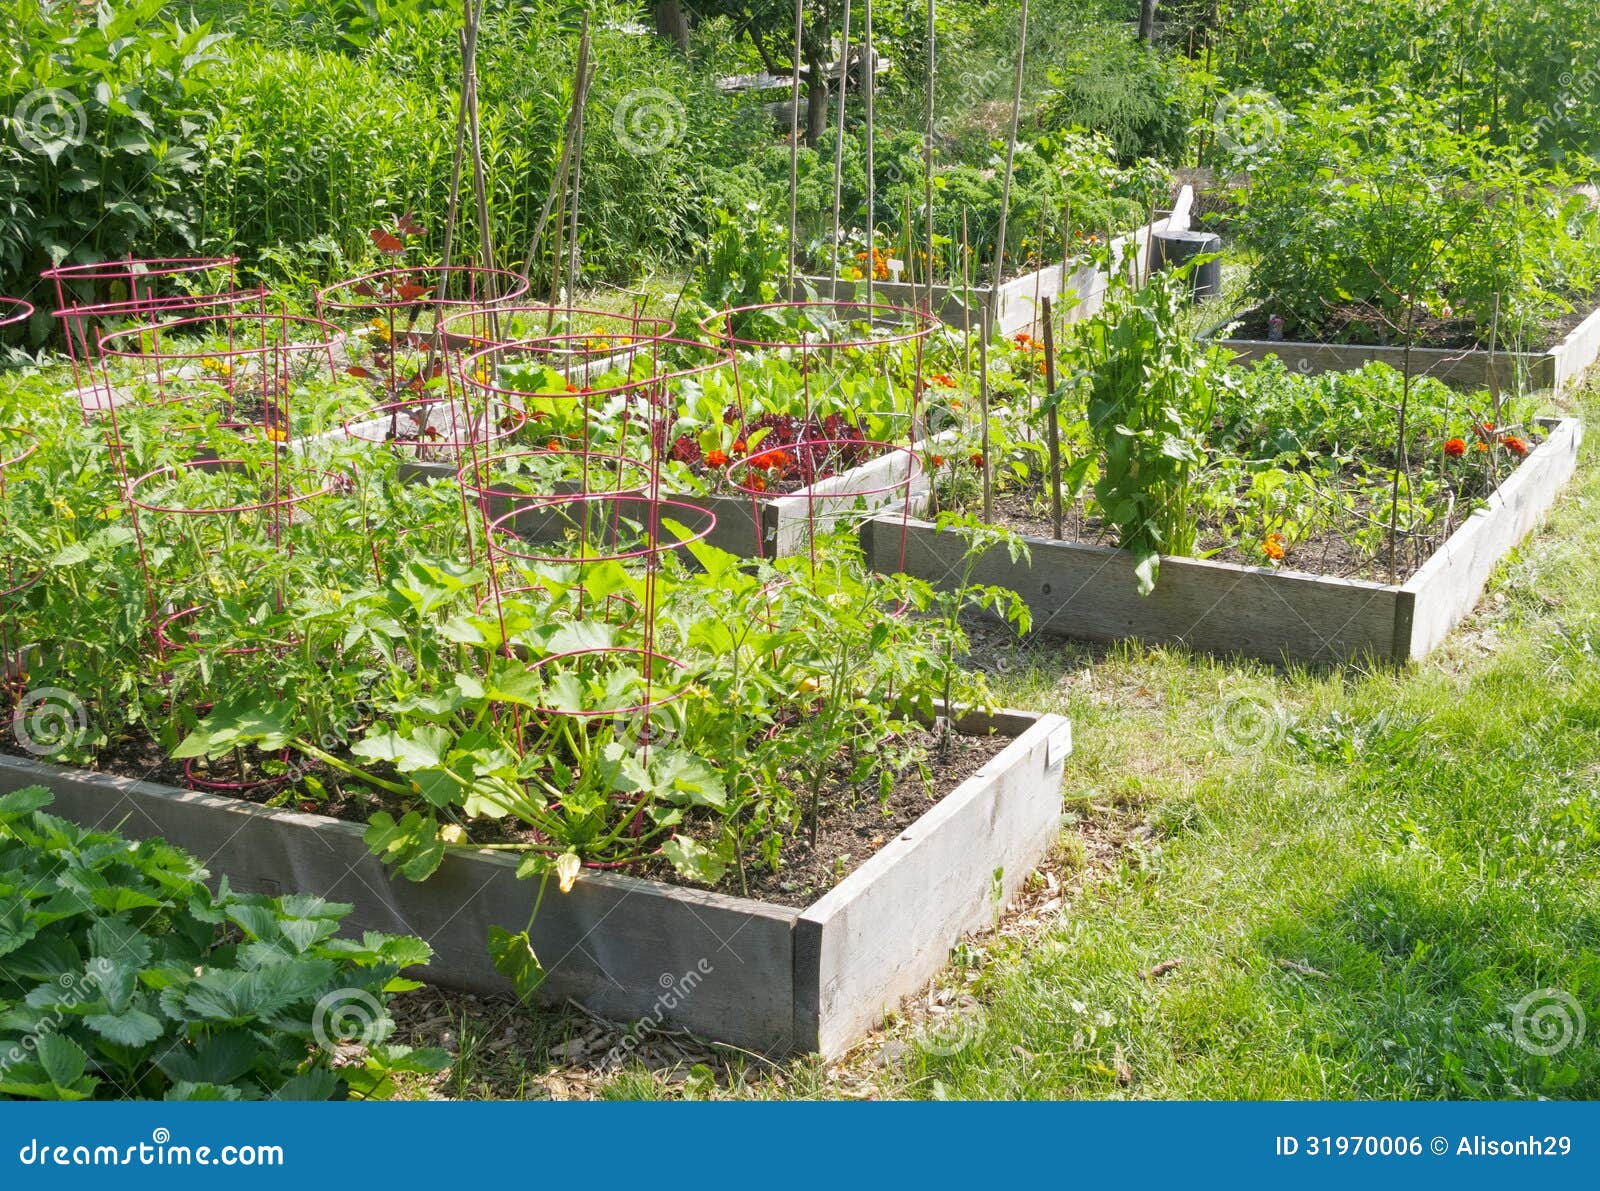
[63,1060]
[134,1027]
[693,860]
[514,959]
[25,801]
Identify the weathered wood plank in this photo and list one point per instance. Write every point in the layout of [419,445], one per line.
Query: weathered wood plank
[1091,593]
[614,944]
[888,928]
[1555,369]
[1449,584]
[1015,305]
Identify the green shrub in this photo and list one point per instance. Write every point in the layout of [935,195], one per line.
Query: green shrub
[129,978]
[1384,209]
[107,136]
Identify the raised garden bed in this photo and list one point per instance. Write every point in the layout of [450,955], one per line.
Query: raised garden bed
[1555,368]
[1015,305]
[1089,592]
[749,525]
[767,977]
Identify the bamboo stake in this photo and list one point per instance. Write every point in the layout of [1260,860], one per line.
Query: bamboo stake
[838,151]
[453,208]
[870,89]
[984,316]
[1011,151]
[577,197]
[1052,421]
[582,76]
[794,141]
[479,179]
[927,198]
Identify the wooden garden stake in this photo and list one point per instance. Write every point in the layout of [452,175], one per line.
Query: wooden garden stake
[983,410]
[1052,421]
[869,81]
[928,152]
[838,151]
[1011,156]
[558,183]
[794,139]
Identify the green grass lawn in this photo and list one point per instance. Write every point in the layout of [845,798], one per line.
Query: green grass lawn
[1360,881]
[1360,891]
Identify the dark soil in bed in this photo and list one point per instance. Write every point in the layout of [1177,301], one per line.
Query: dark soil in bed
[854,824]
[1332,552]
[1356,325]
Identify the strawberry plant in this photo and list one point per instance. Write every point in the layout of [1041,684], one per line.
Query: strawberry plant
[131,978]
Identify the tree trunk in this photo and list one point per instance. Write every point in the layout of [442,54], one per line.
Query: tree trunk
[673,22]
[1147,21]
[816,91]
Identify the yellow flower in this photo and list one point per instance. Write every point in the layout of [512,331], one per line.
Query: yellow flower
[567,866]
[276,434]
[216,367]
[63,509]
[379,329]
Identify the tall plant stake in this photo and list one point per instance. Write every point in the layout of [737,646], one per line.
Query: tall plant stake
[1011,154]
[838,152]
[1052,421]
[794,140]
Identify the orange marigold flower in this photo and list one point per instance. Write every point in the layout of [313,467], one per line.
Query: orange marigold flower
[758,484]
[942,379]
[1482,446]
[716,459]
[553,445]
[738,446]
[937,461]
[1022,338]
[976,459]
[1455,448]
[1514,444]
[1273,546]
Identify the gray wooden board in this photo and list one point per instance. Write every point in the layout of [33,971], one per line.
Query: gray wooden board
[621,946]
[1555,369]
[1450,583]
[1016,305]
[1091,593]
[614,944]
[887,929]
[787,522]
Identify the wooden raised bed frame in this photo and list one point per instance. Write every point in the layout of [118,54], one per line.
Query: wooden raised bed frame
[770,978]
[1555,369]
[786,523]
[1016,305]
[1089,592]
